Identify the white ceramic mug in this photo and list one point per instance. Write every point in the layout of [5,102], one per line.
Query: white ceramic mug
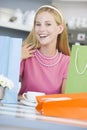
[31,96]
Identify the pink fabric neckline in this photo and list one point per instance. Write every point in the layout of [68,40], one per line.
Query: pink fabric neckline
[46,60]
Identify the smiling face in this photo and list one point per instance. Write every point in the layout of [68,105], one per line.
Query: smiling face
[46,29]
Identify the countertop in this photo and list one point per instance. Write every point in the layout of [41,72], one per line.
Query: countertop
[22,117]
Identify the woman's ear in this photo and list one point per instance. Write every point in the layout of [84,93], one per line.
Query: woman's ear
[60,29]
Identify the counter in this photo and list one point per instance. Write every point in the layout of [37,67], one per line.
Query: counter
[21,117]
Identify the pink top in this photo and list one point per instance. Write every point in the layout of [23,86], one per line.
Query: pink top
[44,74]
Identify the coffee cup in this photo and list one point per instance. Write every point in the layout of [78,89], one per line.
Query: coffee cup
[31,96]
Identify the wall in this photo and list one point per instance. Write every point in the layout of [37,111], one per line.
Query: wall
[75,14]
[69,9]
[72,9]
[23,4]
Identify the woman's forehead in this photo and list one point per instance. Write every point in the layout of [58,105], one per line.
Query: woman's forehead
[44,15]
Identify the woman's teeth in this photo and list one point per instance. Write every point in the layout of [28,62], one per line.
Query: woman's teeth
[43,36]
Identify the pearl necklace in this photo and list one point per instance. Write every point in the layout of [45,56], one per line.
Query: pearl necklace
[47,57]
[38,54]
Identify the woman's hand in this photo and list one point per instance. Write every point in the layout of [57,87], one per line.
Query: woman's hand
[20,97]
[27,51]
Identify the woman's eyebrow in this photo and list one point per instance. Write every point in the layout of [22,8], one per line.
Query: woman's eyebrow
[45,21]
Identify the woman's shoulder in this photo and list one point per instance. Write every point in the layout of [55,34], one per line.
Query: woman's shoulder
[65,56]
[27,59]
[64,62]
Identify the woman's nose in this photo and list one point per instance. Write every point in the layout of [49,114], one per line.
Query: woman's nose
[42,28]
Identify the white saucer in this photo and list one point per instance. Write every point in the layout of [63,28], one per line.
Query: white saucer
[27,103]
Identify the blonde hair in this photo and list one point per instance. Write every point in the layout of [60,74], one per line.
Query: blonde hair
[62,40]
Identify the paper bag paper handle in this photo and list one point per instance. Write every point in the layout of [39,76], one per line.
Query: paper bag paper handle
[76,64]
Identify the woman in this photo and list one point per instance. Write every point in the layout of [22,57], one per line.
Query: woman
[45,54]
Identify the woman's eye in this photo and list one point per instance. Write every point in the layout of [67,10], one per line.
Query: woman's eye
[48,24]
[37,24]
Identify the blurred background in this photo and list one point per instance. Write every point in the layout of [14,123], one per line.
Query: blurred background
[16,17]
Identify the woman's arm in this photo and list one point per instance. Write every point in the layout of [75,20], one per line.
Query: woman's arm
[63,86]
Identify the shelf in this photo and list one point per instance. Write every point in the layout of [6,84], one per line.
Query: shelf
[78,29]
[15,26]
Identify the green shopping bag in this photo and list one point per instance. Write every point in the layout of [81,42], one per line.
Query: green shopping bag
[77,76]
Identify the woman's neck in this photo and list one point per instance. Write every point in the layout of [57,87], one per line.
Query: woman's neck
[47,51]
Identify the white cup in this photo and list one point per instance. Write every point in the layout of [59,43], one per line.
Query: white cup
[31,96]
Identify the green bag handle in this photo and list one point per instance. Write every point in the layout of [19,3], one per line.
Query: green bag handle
[76,64]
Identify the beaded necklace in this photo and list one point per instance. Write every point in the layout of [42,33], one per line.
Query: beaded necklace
[38,56]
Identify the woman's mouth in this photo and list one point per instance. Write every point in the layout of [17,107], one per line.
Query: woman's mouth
[43,36]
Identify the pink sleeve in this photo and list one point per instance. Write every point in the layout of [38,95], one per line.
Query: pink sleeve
[22,67]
